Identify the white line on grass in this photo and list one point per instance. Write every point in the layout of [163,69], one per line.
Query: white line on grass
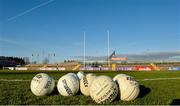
[14,80]
[155,79]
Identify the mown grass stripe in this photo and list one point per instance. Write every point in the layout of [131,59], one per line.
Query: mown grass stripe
[152,79]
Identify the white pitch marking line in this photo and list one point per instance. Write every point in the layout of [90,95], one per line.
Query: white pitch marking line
[15,80]
[152,79]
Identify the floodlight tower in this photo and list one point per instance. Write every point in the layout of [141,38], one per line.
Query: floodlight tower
[38,59]
[54,55]
[49,57]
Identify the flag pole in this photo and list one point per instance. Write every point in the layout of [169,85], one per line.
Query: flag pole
[84,49]
[108,47]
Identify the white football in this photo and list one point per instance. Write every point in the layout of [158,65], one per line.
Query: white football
[73,74]
[42,84]
[68,85]
[103,89]
[128,87]
[85,83]
[80,74]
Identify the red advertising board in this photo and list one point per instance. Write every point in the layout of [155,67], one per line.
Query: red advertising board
[144,68]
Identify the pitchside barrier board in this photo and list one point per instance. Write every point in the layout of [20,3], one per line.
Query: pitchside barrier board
[144,68]
[174,68]
[106,68]
[95,68]
[11,68]
[21,68]
[17,68]
[82,68]
[52,68]
[124,68]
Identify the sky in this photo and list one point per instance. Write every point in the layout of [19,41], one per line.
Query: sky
[56,26]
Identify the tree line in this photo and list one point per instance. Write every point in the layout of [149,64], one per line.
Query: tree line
[11,61]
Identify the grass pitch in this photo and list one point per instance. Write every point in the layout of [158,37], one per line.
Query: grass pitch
[158,88]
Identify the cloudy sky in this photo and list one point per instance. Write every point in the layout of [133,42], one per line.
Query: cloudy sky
[56,26]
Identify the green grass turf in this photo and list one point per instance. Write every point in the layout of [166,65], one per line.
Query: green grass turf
[152,92]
